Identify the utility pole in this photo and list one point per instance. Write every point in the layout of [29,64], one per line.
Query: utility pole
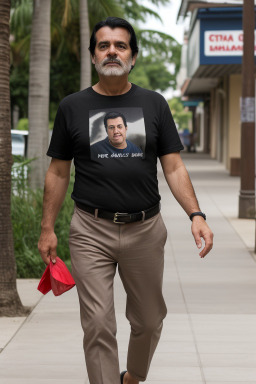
[247,188]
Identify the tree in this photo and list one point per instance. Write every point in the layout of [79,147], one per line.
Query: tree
[135,11]
[160,51]
[85,65]
[10,304]
[89,13]
[150,72]
[39,79]
[181,116]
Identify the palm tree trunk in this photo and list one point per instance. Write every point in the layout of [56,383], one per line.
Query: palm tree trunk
[85,71]
[39,83]
[10,304]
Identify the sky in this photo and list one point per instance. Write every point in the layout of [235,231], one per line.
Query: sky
[168,14]
[169,25]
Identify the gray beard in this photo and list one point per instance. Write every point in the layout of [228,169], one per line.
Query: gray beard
[123,69]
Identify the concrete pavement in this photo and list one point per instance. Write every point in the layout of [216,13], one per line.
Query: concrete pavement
[209,334]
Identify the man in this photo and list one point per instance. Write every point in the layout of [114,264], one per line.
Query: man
[100,236]
[115,145]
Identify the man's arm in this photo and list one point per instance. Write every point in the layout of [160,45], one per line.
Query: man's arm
[56,184]
[179,182]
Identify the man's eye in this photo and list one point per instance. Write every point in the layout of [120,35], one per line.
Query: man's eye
[103,46]
[121,46]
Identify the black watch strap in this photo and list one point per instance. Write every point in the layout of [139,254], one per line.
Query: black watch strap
[197,214]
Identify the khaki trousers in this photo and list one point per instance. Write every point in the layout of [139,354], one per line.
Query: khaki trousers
[96,247]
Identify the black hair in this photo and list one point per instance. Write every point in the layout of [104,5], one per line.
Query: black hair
[114,22]
[113,115]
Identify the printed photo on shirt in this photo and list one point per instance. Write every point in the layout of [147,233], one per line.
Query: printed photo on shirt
[117,133]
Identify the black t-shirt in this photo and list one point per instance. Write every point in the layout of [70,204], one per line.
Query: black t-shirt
[117,183]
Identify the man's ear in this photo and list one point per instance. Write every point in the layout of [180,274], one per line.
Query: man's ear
[93,59]
[134,59]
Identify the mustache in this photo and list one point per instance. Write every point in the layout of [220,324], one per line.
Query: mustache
[109,60]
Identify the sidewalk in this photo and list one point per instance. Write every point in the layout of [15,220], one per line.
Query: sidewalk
[209,334]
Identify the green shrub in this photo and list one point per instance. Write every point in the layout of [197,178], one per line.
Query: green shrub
[22,124]
[26,219]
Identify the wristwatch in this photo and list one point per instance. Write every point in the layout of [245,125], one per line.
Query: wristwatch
[197,214]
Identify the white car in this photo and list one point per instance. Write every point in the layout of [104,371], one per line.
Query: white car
[19,142]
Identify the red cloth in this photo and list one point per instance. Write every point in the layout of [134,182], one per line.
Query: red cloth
[56,277]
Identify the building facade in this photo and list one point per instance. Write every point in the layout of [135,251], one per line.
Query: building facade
[210,78]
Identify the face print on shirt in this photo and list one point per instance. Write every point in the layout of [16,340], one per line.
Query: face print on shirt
[116,129]
[117,133]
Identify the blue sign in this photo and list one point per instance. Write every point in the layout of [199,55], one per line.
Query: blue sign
[221,36]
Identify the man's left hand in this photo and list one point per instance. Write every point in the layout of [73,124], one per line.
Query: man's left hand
[200,230]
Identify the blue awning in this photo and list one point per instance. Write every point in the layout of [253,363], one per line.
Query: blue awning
[191,103]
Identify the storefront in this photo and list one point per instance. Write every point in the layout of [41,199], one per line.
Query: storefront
[213,66]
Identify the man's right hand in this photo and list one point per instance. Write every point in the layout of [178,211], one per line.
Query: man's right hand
[55,188]
[47,246]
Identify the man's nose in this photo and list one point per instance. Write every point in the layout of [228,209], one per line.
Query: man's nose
[112,50]
[116,130]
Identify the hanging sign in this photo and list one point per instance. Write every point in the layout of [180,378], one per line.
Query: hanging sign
[223,43]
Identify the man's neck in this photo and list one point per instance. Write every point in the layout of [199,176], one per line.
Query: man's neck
[112,85]
[122,146]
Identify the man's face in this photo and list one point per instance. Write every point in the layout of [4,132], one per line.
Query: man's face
[113,54]
[117,132]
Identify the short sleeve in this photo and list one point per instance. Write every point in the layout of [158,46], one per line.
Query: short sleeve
[61,145]
[169,140]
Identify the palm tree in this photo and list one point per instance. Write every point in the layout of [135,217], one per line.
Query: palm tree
[90,12]
[39,79]
[10,304]
[85,64]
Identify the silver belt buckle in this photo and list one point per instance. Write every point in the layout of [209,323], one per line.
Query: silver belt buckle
[117,214]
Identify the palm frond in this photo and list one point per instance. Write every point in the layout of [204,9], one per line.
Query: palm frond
[21,17]
[66,14]
[100,9]
[136,11]
[20,50]
[153,33]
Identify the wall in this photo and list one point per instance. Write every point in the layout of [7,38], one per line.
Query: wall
[213,125]
[226,122]
[234,126]
[193,52]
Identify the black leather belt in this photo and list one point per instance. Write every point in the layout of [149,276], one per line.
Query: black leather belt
[119,217]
